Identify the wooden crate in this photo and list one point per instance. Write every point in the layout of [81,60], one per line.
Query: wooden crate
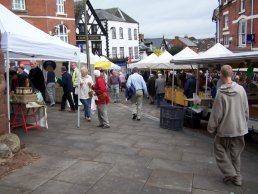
[24,98]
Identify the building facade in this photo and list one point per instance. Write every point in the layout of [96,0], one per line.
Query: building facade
[182,42]
[237,24]
[122,40]
[55,17]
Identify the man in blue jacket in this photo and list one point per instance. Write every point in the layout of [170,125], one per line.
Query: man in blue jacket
[67,85]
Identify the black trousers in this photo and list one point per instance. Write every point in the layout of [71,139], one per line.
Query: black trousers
[67,96]
[75,99]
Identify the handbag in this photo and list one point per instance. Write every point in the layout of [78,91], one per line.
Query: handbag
[102,96]
[91,93]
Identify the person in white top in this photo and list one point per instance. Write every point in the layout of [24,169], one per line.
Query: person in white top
[86,92]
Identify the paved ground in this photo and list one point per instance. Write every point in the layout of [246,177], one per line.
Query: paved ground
[132,157]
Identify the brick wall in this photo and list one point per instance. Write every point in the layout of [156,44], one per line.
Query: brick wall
[234,14]
[48,8]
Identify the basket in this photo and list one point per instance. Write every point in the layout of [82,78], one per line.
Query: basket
[24,98]
[171,117]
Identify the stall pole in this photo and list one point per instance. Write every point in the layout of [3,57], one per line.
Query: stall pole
[206,81]
[8,89]
[173,81]
[79,93]
[69,67]
[197,80]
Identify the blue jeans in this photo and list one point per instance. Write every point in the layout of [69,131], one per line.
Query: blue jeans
[160,98]
[87,105]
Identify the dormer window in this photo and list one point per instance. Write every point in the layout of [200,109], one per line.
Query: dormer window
[60,6]
[18,4]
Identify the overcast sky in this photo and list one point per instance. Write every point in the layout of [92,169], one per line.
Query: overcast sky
[168,17]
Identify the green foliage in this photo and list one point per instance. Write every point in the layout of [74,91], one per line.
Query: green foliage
[158,52]
[175,50]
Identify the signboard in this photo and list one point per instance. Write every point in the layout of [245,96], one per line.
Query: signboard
[83,37]
[250,38]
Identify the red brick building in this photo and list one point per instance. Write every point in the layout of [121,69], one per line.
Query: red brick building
[183,42]
[55,17]
[237,24]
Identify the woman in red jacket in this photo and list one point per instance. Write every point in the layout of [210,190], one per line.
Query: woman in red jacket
[103,100]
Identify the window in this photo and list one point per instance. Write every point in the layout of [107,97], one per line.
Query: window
[129,34]
[136,52]
[226,21]
[242,5]
[122,52]
[113,29]
[121,33]
[114,52]
[226,40]
[131,52]
[18,4]
[94,29]
[62,33]
[135,34]
[242,32]
[60,6]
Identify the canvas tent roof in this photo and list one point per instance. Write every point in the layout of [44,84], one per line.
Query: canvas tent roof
[186,52]
[24,41]
[83,58]
[144,63]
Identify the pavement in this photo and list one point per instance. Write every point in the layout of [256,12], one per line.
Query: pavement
[131,157]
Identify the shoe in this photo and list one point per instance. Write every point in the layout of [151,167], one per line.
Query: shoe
[105,126]
[51,105]
[236,181]
[227,179]
[115,101]
[89,119]
[134,116]
[101,125]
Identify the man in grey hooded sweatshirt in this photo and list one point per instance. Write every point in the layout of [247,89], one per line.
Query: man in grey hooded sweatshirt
[228,120]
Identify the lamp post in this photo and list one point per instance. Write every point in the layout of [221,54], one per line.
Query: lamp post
[87,38]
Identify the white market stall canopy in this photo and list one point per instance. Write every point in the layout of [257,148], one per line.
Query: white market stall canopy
[218,54]
[83,58]
[24,41]
[144,63]
[163,61]
[186,52]
[104,63]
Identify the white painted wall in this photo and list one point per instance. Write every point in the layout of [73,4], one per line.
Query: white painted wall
[125,42]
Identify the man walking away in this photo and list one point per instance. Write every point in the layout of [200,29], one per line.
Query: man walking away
[66,83]
[138,82]
[151,88]
[114,83]
[228,120]
[160,89]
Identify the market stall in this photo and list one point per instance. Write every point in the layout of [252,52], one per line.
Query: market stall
[22,41]
[220,55]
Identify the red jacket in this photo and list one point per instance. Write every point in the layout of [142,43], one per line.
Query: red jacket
[100,87]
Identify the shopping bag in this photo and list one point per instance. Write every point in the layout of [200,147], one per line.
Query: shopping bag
[93,104]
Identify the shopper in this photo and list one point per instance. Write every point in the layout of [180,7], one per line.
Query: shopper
[228,120]
[50,82]
[114,83]
[160,89]
[151,88]
[75,89]
[190,85]
[37,79]
[67,85]
[22,77]
[86,92]
[103,100]
[136,80]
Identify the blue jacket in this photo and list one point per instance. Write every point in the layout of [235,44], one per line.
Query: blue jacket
[67,82]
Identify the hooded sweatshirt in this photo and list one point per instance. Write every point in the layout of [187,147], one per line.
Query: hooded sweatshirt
[230,112]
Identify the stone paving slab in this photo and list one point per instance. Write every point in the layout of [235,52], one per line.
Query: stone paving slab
[157,190]
[84,172]
[12,190]
[200,191]
[161,154]
[58,187]
[116,185]
[171,180]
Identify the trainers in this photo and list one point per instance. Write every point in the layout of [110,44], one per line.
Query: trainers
[101,125]
[138,119]
[134,116]
[89,119]
[105,126]
[51,105]
[236,181]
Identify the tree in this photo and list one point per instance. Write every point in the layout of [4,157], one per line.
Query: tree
[175,50]
[79,8]
[158,52]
